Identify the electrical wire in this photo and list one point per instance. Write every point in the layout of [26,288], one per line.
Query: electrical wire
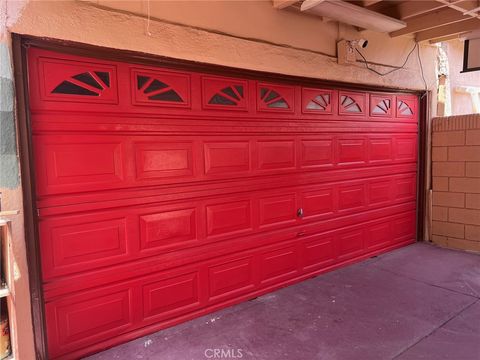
[390,71]
[148,19]
[421,70]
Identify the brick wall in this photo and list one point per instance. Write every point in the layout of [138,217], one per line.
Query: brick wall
[456,182]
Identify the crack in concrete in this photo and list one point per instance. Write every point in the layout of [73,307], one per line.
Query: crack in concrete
[476,296]
[435,329]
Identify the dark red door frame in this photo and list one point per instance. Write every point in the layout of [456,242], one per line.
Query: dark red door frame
[20,45]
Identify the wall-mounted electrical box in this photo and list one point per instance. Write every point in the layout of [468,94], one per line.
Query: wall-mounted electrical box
[346,52]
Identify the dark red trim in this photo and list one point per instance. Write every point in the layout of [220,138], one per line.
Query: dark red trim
[422,165]
[28,181]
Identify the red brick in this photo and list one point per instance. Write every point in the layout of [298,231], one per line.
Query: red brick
[472,201]
[472,232]
[464,153]
[472,169]
[472,137]
[464,216]
[448,138]
[440,183]
[448,169]
[439,153]
[467,185]
[448,229]
[463,244]
[439,240]
[448,199]
[439,213]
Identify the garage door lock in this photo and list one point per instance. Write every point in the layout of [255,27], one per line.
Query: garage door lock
[300,213]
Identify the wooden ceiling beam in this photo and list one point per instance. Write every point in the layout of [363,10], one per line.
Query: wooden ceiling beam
[367,3]
[448,30]
[434,19]
[281,4]
[446,38]
[409,9]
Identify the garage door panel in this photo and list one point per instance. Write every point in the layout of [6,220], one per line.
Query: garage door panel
[319,202]
[351,197]
[168,294]
[277,210]
[98,315]
[319,252]
[404,228]
[380,150]
[231,278]
[157,161]
[62,286]
[279,264]
[406,148]
[98,240]
[278,155]
[379,235]
[87,243]
[351,151]
[229,218]
[165,298]
[82,163]
[68,203]
[163,193]
[317,153]
[350,243]
[406,187]
[75,164]
[227,157]
[168,229]
[138,123]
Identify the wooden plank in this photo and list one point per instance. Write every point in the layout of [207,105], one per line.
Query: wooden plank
[367,3]
[409,9]
[433,19]
[446,38]
[282,4]
[449,30]
[9,212]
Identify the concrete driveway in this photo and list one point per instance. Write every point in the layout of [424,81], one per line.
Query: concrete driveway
[419,302]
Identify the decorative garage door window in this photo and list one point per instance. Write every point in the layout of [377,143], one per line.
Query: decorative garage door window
[161,88]
[165,194]
[224,94]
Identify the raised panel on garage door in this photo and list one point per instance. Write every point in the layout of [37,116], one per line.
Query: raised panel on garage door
[165,194]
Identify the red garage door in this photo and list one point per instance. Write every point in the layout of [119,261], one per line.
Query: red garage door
[164,194]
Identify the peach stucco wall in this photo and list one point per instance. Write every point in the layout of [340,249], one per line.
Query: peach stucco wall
[251,35]
[461,103]
[243,34]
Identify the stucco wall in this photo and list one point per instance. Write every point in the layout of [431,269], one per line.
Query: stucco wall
[243,34]
[461,102]
[258,44]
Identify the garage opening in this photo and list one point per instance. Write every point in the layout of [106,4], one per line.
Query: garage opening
[165,194]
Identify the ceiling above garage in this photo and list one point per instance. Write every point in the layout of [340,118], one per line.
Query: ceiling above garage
[433,21]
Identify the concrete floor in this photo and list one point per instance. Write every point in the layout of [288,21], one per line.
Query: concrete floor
[419,302]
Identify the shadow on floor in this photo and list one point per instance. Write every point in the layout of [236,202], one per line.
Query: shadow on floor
[418,302]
